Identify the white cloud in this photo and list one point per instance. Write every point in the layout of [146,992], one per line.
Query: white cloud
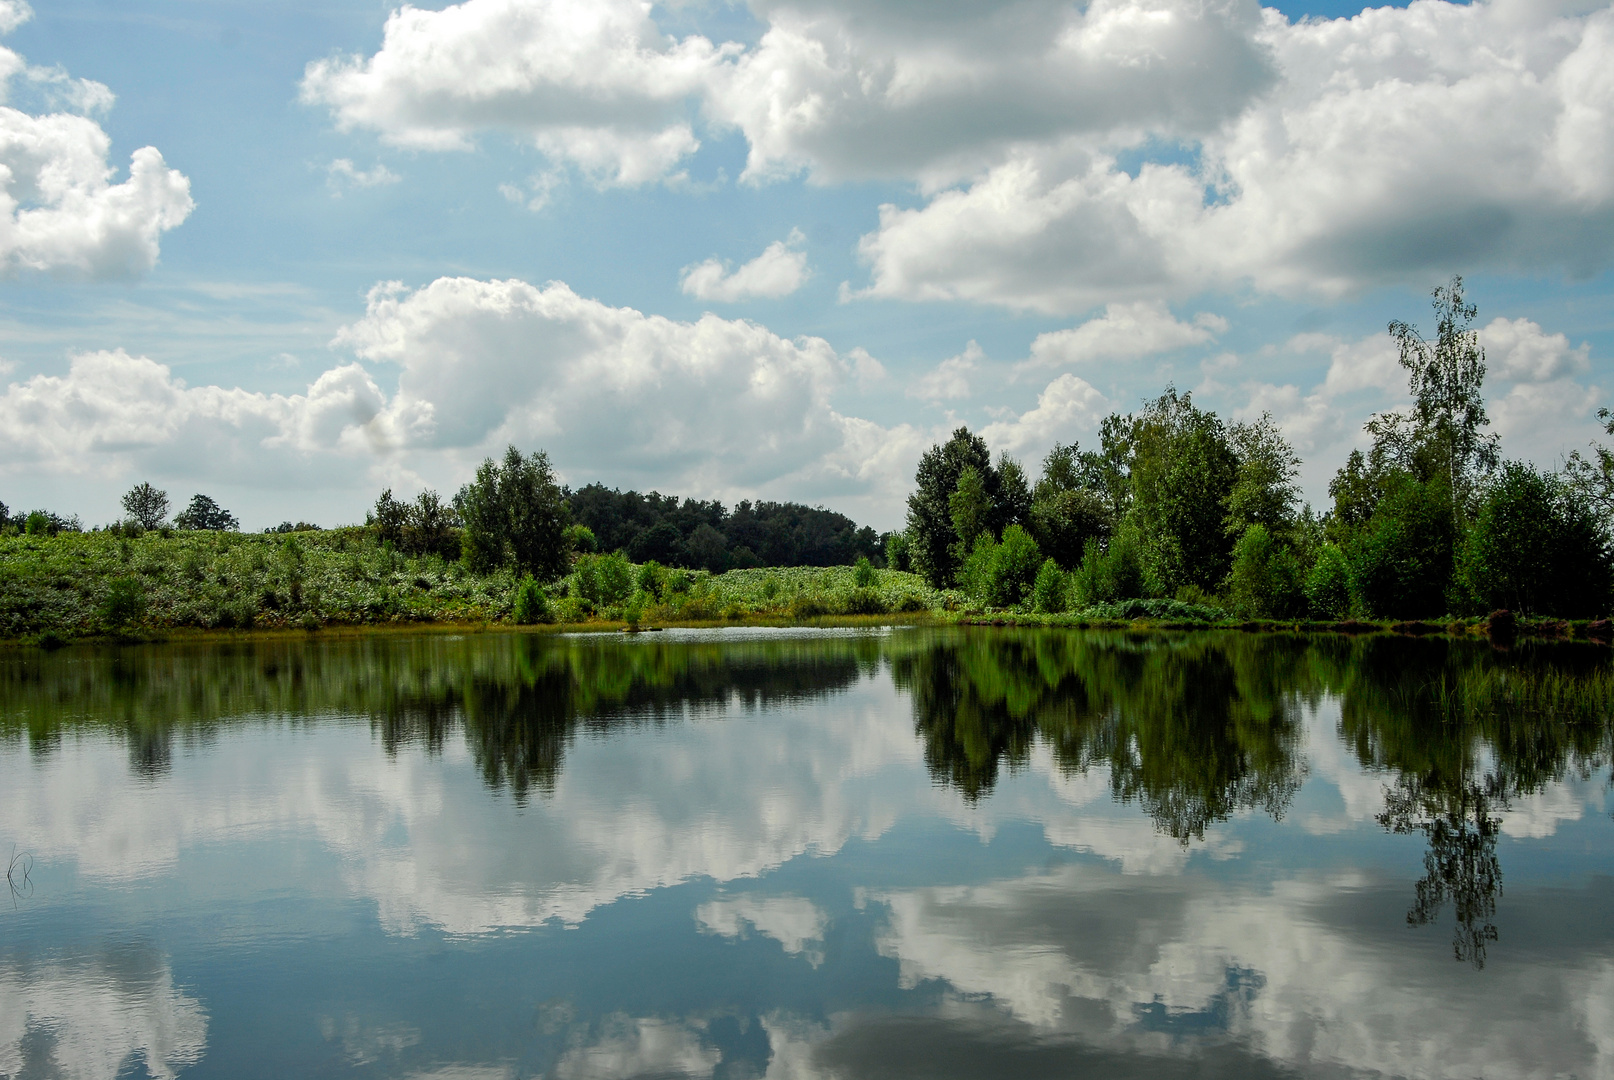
[1066,406]
[592,83]
[713,408]
[342,174]
[1519,349]
[13,13]
[950,380]
[1399,145]
[1124,332]
[780,270]
[60,212]
[937,91]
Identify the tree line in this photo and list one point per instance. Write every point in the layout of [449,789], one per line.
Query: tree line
[1177,503]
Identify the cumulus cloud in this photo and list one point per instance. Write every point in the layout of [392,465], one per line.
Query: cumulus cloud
[1124,332]
[1400,144]
[60,212]
[1066,406]
[933,91]
[717,408]
[591,83]
[951,378]
[1519,349]
[780,270]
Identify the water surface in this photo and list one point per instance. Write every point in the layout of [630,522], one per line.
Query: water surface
[907,853]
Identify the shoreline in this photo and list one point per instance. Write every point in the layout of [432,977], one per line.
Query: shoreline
[1542,629]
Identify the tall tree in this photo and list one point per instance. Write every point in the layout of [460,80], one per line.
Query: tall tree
[515,515]
[146,505]
[932,539]
[1183,469]
[1445,377]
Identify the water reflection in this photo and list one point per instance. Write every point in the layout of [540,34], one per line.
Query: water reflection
[928,852]
[1192,729]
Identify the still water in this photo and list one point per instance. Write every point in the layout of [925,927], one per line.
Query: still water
[909,853]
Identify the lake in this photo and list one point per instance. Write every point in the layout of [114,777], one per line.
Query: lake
[916,852]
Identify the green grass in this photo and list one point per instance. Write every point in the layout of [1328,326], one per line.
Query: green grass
[78,585]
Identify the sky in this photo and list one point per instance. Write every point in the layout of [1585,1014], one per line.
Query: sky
[288,254]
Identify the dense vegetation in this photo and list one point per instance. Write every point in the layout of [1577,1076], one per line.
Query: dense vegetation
[1177,504]
[1176,514]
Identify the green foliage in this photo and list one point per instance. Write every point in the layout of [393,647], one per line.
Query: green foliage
[896,551]
[1264,491]
[1401,564]
[655,526]
[515,515]
[146,505]
[37,524]
[1001,574]
[1112,573]
[1328,586]
[125,602]
[1536,548]
[531,604]
[1183,470]
[863,574]
[426,526]
[652,580]
[1050,592]
[1063,521]
[1264,582]
[933,542]
[204,514]
[603,579]
[580,538]
[970,508]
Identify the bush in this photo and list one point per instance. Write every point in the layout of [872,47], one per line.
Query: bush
[580,538]
[532,603]
[125,602]
[1109,575]
[1402,565]
[1535,548]
[652,579]
[1050,593]
[1264,582]
[1328,586]
[896,551]
[604,580]
[864,602]
[863,575]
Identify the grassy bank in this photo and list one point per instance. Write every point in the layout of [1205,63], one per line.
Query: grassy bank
[92,585]
[81,585]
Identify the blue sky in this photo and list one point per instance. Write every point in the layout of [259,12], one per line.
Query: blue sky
[1013,215]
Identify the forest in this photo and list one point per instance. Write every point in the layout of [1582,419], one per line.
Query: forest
[1173,513]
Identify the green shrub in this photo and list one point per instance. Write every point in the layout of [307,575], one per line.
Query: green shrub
[863,601]
[896,551]
[912,602]
[863,575]
[532,603]
[651,579]
[1110,574]
[1535,548]
[1050,593]
[125,602]
[1264,581]
[1328,586]
[808,606]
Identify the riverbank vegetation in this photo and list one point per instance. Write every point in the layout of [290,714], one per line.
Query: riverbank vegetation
[1176,515]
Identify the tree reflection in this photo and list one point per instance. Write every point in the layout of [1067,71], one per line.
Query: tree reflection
[1192,728]
[1465,732]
